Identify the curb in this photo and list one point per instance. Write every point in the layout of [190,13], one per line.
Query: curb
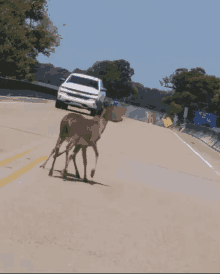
[211,141]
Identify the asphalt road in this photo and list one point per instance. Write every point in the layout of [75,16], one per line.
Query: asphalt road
[153,205]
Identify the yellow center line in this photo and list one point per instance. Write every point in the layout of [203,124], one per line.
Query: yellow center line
[20,172]
[5,162]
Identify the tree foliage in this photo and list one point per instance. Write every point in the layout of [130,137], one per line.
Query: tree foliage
[149,98]
[49,74]
[24,33]
[172,78]
[116,76]
[193,89]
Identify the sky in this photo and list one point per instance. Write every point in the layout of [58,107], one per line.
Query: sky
[155,36]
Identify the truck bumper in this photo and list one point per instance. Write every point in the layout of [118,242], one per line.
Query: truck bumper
[69,100]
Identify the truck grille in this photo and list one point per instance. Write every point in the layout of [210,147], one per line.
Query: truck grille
[78,96]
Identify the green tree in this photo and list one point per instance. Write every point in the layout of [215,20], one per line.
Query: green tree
[48,73]
[193,89]
[215,105]
[116,76]
[171,79]
[199,70]
[24,33]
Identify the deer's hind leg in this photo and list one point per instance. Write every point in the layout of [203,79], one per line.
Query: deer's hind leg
[54,160]
[71,144]
[72,156]
[57,154]
[59,142]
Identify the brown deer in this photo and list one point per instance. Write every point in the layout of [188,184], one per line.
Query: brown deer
[81,132]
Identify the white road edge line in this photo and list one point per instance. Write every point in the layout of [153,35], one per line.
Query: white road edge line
[195,152]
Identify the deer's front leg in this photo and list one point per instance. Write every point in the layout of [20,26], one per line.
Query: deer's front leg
[96,155]
[84,162]
[76,150]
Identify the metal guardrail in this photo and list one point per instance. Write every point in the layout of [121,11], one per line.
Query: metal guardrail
[45,85]
[210,139]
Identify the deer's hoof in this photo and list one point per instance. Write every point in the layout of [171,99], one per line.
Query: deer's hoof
[92,173]
[77,175]
[51,173]
[64,173]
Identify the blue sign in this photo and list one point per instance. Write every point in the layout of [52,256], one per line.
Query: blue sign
[115,102]
[205,118]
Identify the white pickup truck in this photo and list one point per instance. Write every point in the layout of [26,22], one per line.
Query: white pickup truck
[83,91]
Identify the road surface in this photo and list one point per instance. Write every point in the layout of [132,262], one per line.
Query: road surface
[153,205]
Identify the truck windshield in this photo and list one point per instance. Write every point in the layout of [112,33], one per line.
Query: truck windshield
[83,81]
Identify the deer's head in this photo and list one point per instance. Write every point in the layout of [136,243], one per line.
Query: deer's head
[112,113]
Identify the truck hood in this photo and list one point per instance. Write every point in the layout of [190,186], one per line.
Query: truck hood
[84,89]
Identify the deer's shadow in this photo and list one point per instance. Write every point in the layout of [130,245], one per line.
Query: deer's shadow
[72,178]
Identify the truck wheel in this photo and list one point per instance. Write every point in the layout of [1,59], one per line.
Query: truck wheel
[58,104]
[93,112]
[65,106]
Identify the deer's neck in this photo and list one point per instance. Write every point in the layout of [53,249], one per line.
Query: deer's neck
[102,125]
[98,129]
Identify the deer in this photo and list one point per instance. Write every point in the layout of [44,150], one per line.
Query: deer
[81,132]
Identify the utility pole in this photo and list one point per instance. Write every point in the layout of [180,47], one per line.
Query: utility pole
[175,119]
[185,115]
